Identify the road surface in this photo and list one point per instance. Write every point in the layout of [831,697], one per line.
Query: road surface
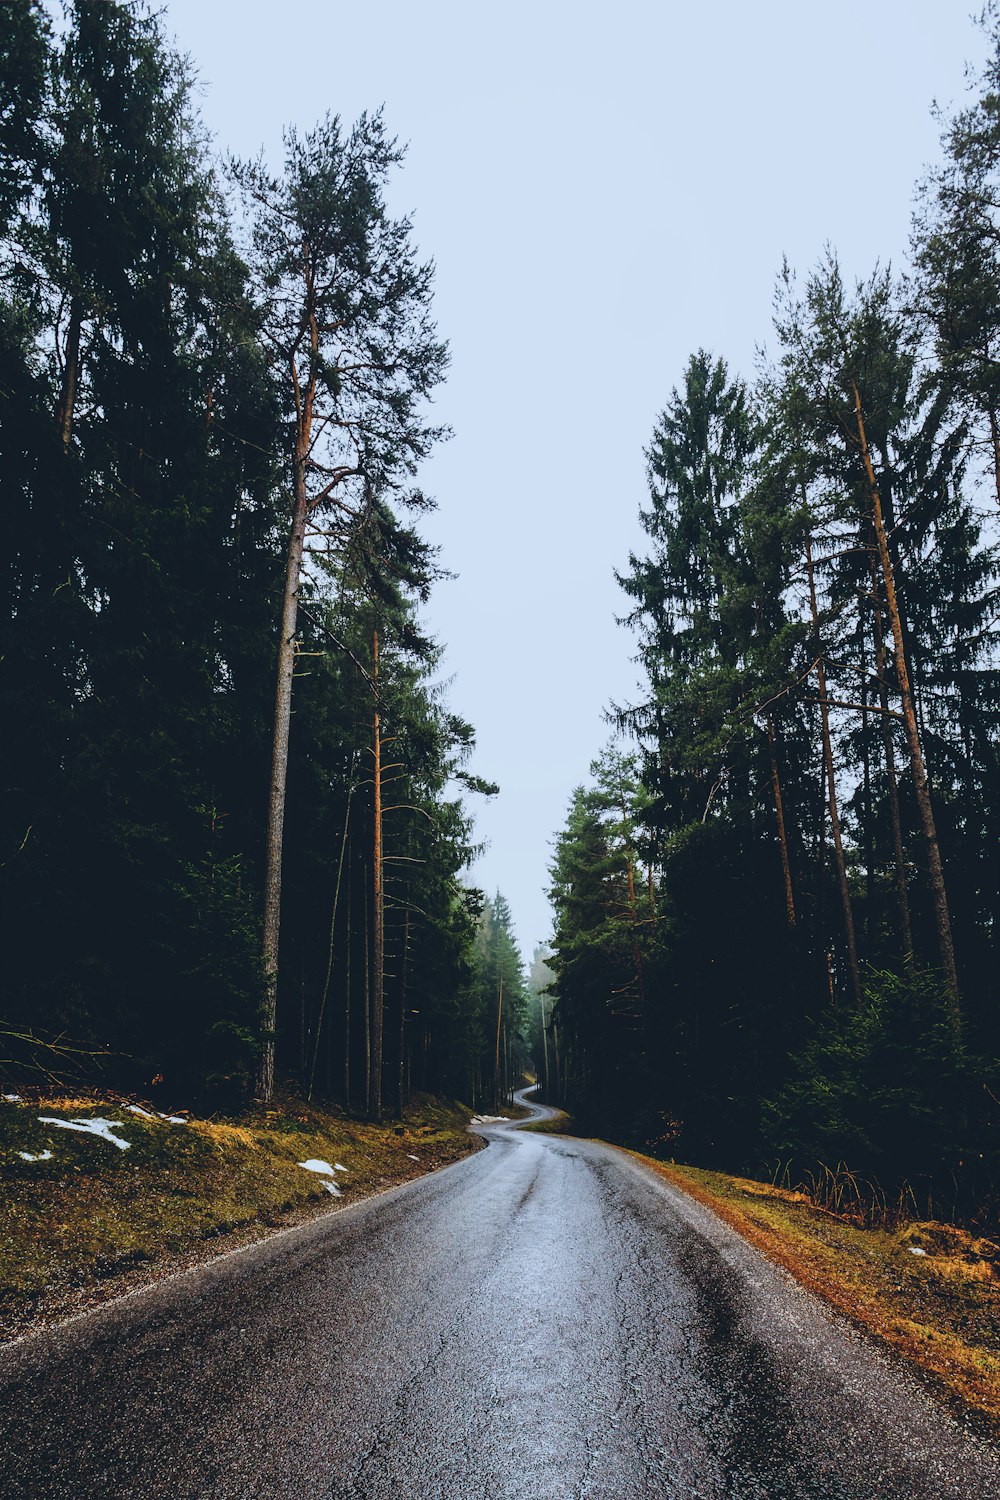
[546,1318]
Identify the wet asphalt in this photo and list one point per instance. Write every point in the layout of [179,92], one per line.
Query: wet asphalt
[546,1318]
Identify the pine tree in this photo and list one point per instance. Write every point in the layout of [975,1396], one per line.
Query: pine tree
[345,317]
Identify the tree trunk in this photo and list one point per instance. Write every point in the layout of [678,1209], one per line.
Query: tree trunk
[899,856]
[496,1066]
[71,374]
[946,946]
[866,792]
[333,928]
[347,993]
[782,833]
[508,1082]
[838,847]
[366,1017]
[279,777]
[545,1049]
[995,435]
[401,1075]
[378,956]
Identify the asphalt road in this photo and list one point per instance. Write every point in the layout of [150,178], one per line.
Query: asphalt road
[544,1319]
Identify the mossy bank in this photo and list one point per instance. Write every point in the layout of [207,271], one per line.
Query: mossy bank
[93,1211]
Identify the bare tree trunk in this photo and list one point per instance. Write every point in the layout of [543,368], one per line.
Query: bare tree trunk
[899,856]
[279,777]
[946,944]
[304,399]
[508,1082]
[845,894]
[301,1069]
[995,435]
[545,1048]
[347,994]
[366,1018]
[782,833]
[866,789]
[496,1067]
[560,1088]
[401,1076]
[375,1090]
[333,928]
[71,374]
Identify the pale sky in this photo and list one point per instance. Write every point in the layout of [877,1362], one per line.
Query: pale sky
[604,189]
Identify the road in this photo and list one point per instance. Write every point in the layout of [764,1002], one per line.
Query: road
[546,1318]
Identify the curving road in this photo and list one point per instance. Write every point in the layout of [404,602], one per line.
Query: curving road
[544,1319]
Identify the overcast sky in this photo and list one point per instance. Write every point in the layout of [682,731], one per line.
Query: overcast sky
[604,189]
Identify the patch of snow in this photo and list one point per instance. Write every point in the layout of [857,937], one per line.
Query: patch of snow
[412,1157]
[488,1120]
[332,1187]
[312,1165]
[96,1126]
[338,1168]
[916,1250]
[13,1098]
[36,1156]
[137,1109]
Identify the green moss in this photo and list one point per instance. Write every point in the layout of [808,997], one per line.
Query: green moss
[92,1210]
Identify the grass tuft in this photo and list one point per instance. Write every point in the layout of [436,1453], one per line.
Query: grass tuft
[559,1124]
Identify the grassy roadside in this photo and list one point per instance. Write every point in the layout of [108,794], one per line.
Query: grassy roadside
[940,1309]
[560,1124]
[85,1219]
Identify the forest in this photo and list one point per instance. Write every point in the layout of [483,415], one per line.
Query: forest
[237,807]
[216,387]
[776,900]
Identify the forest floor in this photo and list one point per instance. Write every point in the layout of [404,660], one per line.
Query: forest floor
[929,1290]
[86,1217]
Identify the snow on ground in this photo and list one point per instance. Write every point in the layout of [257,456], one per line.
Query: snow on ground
[96,1126]
[315,1165]
[412,1157]
[137,1109]
[488,1120]
[36,1155]
[13,1098]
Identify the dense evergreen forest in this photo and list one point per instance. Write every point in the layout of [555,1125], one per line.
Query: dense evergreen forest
[215,386]
[234,799]
[777,899]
